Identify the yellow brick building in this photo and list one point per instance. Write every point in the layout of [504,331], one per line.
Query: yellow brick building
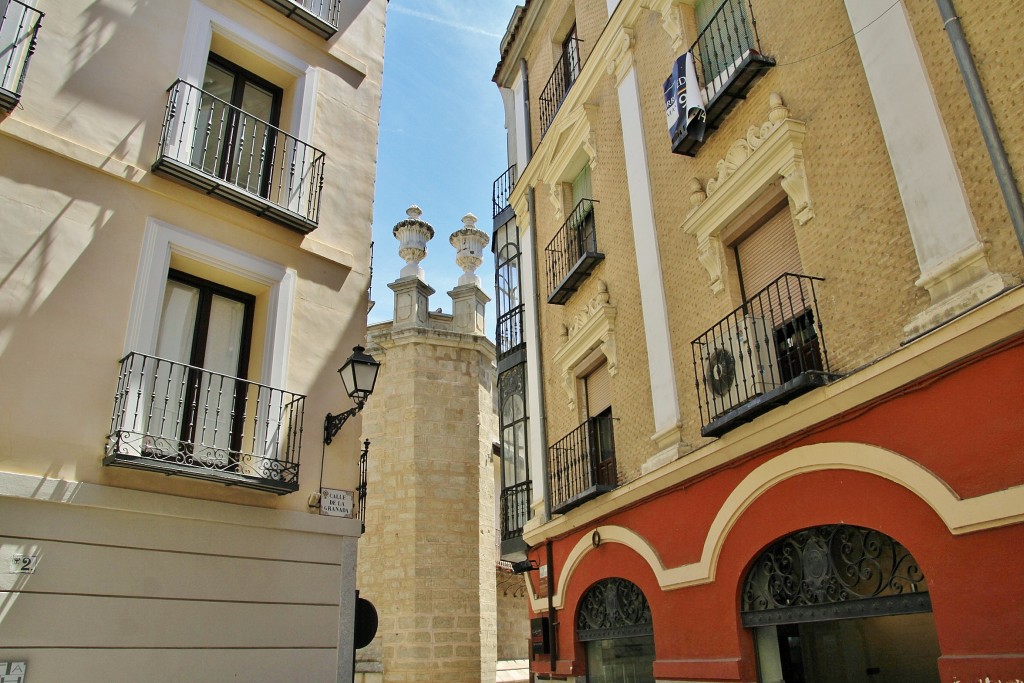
[710,308]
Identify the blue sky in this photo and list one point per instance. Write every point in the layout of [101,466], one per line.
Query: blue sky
[442,136]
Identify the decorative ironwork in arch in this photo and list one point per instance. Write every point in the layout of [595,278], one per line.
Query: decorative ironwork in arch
[833,572]
[613,608]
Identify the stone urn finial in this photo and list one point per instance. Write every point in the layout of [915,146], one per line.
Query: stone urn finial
[412,235]
[469,242]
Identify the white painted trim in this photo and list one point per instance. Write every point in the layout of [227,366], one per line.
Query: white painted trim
[961,516]
[934,198]
[664,397]
[535,434]
[160,241]
[203,22]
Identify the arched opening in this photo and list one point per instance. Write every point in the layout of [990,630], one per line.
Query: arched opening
[614,624]
[840,604]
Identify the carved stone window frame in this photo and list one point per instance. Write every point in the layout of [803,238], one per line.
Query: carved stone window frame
[592,329]
[768,154]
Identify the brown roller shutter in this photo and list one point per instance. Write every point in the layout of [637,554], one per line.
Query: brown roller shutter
[768,252]
[599,390]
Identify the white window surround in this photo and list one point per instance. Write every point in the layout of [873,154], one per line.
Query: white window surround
[160,241]
[203,22]
[768,154]
[592,328]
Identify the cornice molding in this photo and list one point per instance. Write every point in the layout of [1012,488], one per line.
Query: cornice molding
[592,327]
[769,153]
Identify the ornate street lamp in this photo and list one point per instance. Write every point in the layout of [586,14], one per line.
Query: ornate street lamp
[358,375]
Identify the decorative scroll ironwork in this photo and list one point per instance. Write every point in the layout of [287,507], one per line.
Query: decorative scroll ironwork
[19,27]
[831,565]
[613,608]
[219,148]
[181,419]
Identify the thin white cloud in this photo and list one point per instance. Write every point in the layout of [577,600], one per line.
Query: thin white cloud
[444,22]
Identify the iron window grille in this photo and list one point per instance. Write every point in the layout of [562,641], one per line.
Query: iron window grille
[220,149]
[181,419]
[572,254]
[613,608]
[19,28]
[830,572]
[763,354]
[515,509]
[319,16]
[581,465]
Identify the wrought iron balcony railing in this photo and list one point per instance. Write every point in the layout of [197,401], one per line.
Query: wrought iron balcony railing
[729,60]
[180,419]
[364,457]
[515,509]
[581,465]
[510,331]
[763,354]
[501,190]
[221,150]
[19,27]
[565,73]
[572,254]
[319,16]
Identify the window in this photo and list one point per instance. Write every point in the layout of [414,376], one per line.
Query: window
[614,625]
[568,65]
[571,57]
[597,389]
[199,392]
[573,254]
[19,25]
[238,120]
[197,399]
[241,112]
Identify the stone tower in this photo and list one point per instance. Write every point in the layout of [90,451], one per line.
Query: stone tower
[427,559]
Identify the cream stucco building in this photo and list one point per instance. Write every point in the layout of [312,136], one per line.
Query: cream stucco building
[187,191]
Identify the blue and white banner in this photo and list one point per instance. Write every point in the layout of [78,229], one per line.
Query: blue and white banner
[684,102]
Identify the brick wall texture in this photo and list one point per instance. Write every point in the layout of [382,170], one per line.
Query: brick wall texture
[858,239]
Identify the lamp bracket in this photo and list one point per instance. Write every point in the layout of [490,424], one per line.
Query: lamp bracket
[333,423]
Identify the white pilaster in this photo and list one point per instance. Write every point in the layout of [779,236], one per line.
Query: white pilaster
[951,256]
[664,397]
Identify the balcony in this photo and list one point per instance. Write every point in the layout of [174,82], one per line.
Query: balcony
[319,16]
[510,332]
[762,355]
[729,60]
[223,151]
[515,512]
[179,419]
[572,255]
[500,191]
[565,73]
[19,27]
[581,465]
